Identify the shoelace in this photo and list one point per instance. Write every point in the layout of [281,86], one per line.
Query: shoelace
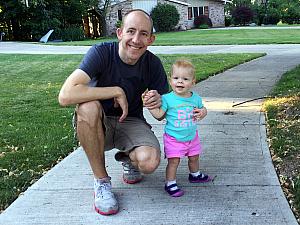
[128,167]
[104,190]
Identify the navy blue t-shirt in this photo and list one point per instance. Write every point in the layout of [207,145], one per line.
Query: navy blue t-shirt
[105,68]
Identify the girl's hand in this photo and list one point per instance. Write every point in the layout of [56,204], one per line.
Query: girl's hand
[151,99]
[199,114]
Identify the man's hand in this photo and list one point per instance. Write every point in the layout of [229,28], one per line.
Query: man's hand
[151,99]
[121,101]
[199,114]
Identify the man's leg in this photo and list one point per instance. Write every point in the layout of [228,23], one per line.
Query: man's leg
[91,136]
[145,158]
[139,148]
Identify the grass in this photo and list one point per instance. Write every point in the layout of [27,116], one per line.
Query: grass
[217,37]
[209,64]
[283,119]
[35,132]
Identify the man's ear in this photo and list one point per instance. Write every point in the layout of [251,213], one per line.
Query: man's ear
[119,32]
[151,39]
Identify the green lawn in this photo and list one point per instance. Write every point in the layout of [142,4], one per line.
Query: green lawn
[217,37]
[283,119]
[35,132]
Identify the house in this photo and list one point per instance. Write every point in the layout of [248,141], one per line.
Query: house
[188,10]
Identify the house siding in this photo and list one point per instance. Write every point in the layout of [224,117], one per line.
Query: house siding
[146,5]
[215,12]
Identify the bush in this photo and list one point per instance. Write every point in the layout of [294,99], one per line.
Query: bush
[119,24]
[291,15]
[202,20]
[242,15]
[272,16]
[72,33]
[228,21]
[165,17]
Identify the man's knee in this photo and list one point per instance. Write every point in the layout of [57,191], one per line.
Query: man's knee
[147,159]
[89,112]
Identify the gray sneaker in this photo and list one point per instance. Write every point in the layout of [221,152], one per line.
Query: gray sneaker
[105,201]
[131,175]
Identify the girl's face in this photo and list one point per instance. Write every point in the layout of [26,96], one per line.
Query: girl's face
[182,81]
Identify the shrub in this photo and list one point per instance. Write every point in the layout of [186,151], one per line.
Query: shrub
[119,24]
[165,17]
[242,15]
[291,15]
[201,20]
[272,16]
[72,33]
[228,21]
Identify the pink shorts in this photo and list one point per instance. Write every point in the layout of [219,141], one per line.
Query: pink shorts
[177,149]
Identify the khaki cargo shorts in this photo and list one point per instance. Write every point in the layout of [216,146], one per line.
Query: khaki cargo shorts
[131,133]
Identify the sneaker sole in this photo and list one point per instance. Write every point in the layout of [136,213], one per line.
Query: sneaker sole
[132,181]
[204,181]
[111,212]
[178,194]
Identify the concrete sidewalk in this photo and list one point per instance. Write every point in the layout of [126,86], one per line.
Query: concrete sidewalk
[245,191]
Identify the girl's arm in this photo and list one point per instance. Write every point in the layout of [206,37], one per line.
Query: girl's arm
[158,113]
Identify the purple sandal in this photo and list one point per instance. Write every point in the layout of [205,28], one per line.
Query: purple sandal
[174,193]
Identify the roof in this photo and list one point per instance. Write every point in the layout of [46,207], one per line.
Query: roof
[179,2]
[115,2]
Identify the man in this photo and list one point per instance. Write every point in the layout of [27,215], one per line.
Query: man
[107,89]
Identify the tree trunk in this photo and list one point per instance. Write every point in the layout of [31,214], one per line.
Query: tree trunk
[16,31]
[103,31]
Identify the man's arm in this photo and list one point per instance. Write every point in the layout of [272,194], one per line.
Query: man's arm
[75,90]
[151,99]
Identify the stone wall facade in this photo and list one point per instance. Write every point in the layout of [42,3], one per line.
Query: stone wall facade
[112,16]
[216,13]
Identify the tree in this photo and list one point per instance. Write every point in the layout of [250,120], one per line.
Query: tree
[165,17]
[242,15]
[31,21]
[290,12]
[103,10]
[12,15]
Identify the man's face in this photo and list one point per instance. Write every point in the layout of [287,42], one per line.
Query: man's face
[134,37]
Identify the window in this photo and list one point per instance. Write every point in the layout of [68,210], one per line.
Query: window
[201,11]
[190,13]
[119,14]
[195,9]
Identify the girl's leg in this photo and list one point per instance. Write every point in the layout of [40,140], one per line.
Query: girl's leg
[193,163]
[171,185]
[172,168]
[195,176]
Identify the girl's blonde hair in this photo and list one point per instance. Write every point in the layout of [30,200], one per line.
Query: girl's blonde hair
[184,63]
